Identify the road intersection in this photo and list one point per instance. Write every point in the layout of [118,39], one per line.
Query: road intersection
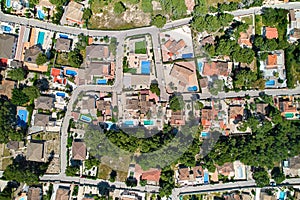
[118,85]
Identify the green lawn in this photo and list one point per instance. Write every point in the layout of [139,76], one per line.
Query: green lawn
[258,24]
[5,163]
[248,20]
[140,47]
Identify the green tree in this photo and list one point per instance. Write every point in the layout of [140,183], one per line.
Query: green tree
[91,162]
[19,97]
[166,182]
[119,8]
[155,89]
[143,182]
[72,170]
[176,103]
[6,193]
[87,13]
[32,92]
[75,58]
[17,74]
[147,6]
[243,55]
[58,2]
[41,59]
[159,21]
[263,56]
[245,79]
[59,11]
[261,178]
[201,8]
[277,175]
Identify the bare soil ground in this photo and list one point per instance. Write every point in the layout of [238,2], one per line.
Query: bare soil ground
[107,19]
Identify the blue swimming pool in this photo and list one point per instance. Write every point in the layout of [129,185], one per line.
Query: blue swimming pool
[22,198]
[41,37]
[22,118]
[129,123]
[60,94]
[41,14]
[145,67]
[148,122]
[204,134]
[6,28]
[281,195]
[101,81]
[71,72]
[192,88]
[206,178]
[200,66]
[270,83]
[8,3]
[85,118]
[187,55]
[63,36]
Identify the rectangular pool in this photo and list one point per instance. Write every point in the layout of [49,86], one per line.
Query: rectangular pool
[148,122]
[281,195]
[85,118]
[101,81]
[145,67]
[8,3]
[22,118]
[41,37]
[270,83]
[289,115]
[206,178]
[204,134]
[129,123]
[60,94]
[71,72]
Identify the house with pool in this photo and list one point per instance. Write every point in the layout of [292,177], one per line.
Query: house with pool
[288,106]
[72,14]
[190,176]
[99,73]
[8,44]
[273,69]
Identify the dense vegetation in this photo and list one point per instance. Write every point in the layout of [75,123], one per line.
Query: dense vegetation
[159,21]
[270,143]
[24,171]
[176,102]
[17,74]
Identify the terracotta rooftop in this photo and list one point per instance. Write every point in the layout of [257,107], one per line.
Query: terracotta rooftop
[215,68]
[236,111]
[152,175]
[271,33]
[272,59]
[55,72]
[34,194]
[184,174]
[62,194]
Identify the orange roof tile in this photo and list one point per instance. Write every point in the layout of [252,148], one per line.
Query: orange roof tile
[153,175]
[271,33]
[272,59]
[55,72]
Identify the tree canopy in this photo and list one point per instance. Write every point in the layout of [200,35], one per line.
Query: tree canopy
[41,59]
[75,58]
[17,74]
[211,23]
[32,92]
[159,21]
[19,97]
[155,89]
[87,13]
[119,8]
[176,102]
[261,177]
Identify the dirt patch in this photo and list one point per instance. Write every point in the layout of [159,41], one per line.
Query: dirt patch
[107,19]
[5,163]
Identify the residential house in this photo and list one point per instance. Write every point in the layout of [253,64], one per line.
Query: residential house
[236,114]
[88,106]
[96,71]
[293,28]
[63,44]
[41,120]
[207,115]
[190,4]
[14,145]
[79,151]
[6,88]
[177,118]
[226,170]
[34,193]
[32,53]
[207,40]
[274,70]
[262,108]
[105,107]
[62,193]
[136,81]
[287,106]
[151,176]
[217,69]
[57,76]
[8,46]
[189,176]
[35,151]
[245,37]
[171,49]
[16,64]
[270,32]
[203,83]
[44,103]
[185,73]
[73,14]
[98,53]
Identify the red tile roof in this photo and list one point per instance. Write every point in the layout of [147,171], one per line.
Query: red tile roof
[153,175]
[271,33]
[55,72]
